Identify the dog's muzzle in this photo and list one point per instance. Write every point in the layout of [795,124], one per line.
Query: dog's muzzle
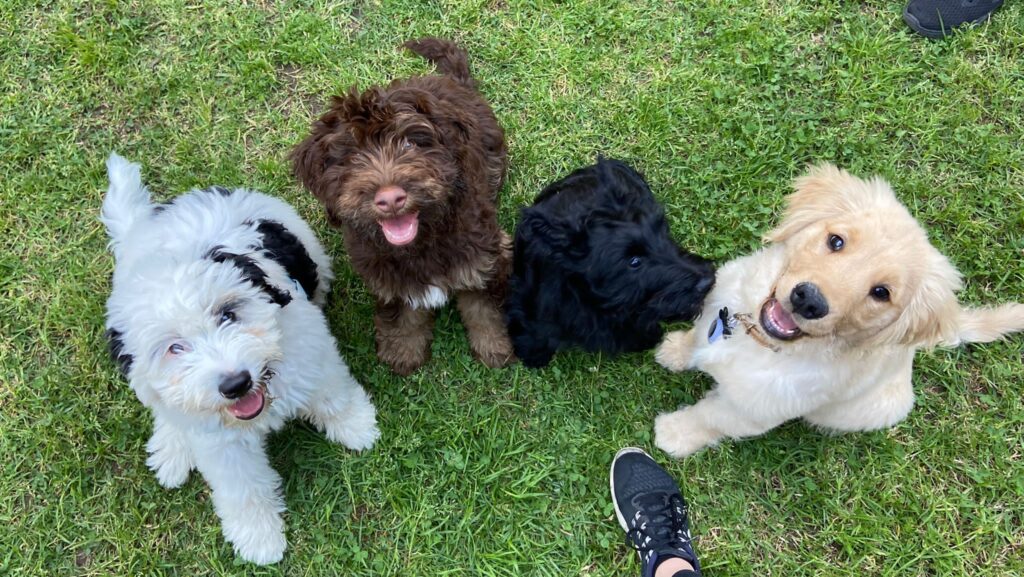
[249,399]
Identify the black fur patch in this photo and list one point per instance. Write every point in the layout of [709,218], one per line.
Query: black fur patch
[116,346]
[283,247]
[158,208]
[252,273]
[220,190]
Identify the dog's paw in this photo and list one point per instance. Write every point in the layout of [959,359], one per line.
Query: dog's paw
[679,435]
[674,351]
[170,474]
[259,538]
[495,353]
[404,358]
[357,439]
[357,430]
[266,550]
[170,462]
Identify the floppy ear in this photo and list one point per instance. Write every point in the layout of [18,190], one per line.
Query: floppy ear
[453,128]
[565,235]
[821,193]
[325,146]
[933,313]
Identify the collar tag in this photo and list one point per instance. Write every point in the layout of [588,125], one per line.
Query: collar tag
[721,327]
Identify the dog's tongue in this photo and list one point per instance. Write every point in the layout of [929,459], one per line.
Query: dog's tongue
[781,318]
[248,406]
[401,229]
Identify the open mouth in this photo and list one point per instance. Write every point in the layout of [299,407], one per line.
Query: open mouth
[251,405]
[400,230]
[777,322]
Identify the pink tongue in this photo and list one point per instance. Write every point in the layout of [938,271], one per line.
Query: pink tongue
[781,318]
[401,229]
[248,406]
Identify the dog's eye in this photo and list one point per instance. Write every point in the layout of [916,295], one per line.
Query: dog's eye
[835,242]
[407,144]
[176,349]
[634,261]
[227,316]
[880,293]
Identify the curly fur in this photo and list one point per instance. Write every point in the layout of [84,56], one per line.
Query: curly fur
[434,139]
[850,368]
[215,320]
[595,266]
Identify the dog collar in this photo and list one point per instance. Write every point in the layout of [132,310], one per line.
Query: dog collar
[723,325]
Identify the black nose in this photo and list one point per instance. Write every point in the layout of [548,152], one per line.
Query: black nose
[235,385]
[808,301]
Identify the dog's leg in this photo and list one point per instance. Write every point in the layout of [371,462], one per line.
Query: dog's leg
[485,325]
[246,494]
[692,428]
[878,408]
[341,408]
[675,350]
[404,335]
[170,456]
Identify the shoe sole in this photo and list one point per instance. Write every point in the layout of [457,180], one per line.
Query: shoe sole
[611,482]
[916,26]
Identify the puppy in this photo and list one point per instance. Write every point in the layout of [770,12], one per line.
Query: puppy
[411,173]
[595,266]
[215,320]
[824,321]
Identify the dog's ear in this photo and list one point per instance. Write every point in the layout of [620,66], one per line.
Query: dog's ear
[817,195]
[565,235]
[451,126]
[932,314]
[115,344]
[828,192]
[329,142]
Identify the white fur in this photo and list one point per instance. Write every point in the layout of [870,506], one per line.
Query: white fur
[432,298]
[165,291]
[757,389]
[851,368]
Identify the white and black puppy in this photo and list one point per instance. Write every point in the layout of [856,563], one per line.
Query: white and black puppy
[215,320]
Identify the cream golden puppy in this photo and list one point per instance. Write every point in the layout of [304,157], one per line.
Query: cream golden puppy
[823,322]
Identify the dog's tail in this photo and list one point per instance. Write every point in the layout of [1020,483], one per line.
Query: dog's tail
[988,324]
[127,200]
[446,55]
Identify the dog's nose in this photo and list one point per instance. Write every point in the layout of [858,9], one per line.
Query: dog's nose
[235,385]
[389,198]
[808,301]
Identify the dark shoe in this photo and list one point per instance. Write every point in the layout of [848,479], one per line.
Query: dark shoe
[651,510]
[939,18]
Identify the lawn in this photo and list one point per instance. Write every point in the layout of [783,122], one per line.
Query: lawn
[504,472]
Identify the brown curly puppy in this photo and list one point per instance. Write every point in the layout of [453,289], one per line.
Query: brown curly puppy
[411,174]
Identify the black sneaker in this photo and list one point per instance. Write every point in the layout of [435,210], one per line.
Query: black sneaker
[651,510]
[939,18]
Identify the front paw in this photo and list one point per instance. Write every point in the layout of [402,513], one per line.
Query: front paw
[674,351]
[259,538]
[495,352]
[356,429]
[404,358]
[679,435]
[170,463]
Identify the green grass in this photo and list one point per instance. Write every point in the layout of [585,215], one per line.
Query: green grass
[504,472]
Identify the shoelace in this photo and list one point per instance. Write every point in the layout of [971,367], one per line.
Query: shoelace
[663,527]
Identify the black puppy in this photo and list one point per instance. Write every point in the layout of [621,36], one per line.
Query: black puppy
[594,266]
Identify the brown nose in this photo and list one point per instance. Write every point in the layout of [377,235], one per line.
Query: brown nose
[389,198]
